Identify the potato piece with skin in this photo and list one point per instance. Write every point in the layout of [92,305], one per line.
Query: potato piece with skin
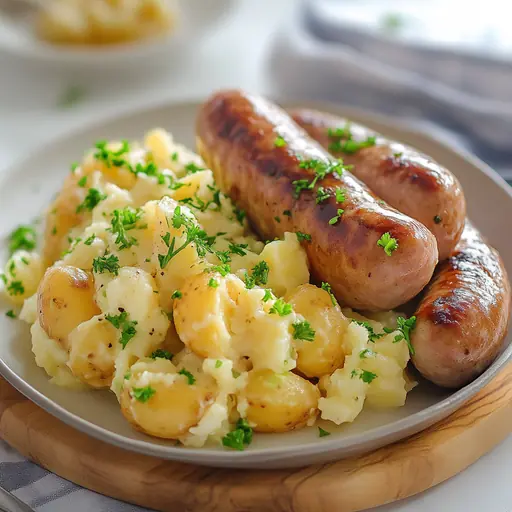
[278,402]
[65,300]
[93,350]
[170,405]
[202,314]
[325,352]
[22,274]
[62,217]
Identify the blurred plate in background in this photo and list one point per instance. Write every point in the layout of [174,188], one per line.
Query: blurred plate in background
[196,19]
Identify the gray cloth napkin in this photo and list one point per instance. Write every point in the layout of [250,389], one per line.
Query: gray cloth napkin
[315,56]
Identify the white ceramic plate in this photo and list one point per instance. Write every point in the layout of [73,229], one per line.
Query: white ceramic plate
[25,191]
[197,18]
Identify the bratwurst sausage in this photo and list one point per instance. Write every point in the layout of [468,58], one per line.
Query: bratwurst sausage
[463,317]
[285,181]
[406,179]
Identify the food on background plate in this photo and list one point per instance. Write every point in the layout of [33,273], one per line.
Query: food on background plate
[373,256]
[464,314]
[150,282]
[408,180]
[103,22]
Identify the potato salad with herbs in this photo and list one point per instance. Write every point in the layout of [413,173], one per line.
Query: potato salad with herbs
[149,282]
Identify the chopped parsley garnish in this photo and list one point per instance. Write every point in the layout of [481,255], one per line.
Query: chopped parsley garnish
[10,314]
[288,213]
[223,270]
[112,157]
[303,236]
[24,260]
[322,432]
[213,283]
[239,215]
[162,354]
[336,218]
[176,295]
[404,326]
[107,263]
[237,249]
[218,363]
[238,438]
[200,205]
[388,243]
[322,194]
[191,379]
[321,169]
[259,275]
[82,181]
[16,288]
[126,326]
[90,240]
[398,155]
[281,308]
[23,237]
[143,394]
[74,167]
[372,335]
[279,142]
[352,146]
[71,96]
[438,219]
[124,220]
[366,353]
[192,168]
[268,295]
[277,219]
[328,289]
[303,331]
[364,375]
[339,193]
[127,375]
[340,133]
[92,199]
[174,156]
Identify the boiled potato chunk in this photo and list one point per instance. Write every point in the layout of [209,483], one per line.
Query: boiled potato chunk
[65,300]
[325,353]
[93,349]
[160,402]
[278,402]
[202,313]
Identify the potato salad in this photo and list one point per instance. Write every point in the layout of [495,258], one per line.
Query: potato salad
[149,282]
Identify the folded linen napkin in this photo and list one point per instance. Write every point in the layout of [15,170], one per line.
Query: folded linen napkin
[321,56]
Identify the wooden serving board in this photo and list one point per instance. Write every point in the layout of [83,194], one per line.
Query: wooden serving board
[388,474]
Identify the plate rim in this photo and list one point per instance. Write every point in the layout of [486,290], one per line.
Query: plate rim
[202,456]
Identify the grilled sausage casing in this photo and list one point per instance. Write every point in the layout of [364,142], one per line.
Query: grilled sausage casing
[236,135]
[406,179]
[463,317]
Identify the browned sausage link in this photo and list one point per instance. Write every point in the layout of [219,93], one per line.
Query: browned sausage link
[406,179]
[237,138]
[463,318]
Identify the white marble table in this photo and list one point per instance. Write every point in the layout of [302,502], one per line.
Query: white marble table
[233,56]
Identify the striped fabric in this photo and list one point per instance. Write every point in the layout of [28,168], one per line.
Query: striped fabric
[46,492]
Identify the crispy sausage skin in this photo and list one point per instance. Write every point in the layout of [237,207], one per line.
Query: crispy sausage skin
[236,135]
[406,179]
[463,317]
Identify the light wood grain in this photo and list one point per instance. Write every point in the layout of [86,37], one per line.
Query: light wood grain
[388,474]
